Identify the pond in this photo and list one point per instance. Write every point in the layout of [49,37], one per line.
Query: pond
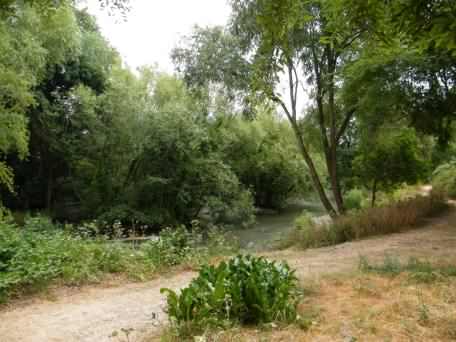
[270,227]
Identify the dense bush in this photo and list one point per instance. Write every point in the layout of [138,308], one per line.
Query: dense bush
[41,252]
[354,199]
[444,179]
[264,156]
[179,175]
[387,219]
[389,160]
[245,290]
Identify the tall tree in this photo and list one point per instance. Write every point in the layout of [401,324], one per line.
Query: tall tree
[309,42]
[213,64]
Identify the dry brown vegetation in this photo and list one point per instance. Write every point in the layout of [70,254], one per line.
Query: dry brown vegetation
[361,307]
[387,219]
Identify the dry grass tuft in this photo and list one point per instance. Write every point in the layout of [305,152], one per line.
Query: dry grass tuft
[387,219]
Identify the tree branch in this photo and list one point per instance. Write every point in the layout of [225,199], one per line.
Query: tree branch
[343,127]
[291,89]
[278,100]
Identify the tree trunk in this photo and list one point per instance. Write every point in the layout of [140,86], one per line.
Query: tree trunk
[332,163]
[50,186]
[374,193]
[313,173]
[292,117]
[329,145]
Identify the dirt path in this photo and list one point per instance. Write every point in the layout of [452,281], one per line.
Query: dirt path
[93,314]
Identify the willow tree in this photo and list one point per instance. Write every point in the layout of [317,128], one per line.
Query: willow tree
[309,43]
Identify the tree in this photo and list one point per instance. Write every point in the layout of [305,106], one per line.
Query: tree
[308,41]
[179,174]
[77,66]
[24,42]
[263,155]
[389,160]
[407,68]
[212,64]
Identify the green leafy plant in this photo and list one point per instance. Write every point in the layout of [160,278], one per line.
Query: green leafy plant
[243,290]
[444,179]
[354,199]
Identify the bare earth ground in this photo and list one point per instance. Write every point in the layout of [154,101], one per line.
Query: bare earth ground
[94,313]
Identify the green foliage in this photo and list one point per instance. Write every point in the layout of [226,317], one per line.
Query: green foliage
[393,159]
[264,157]
[179,174]
[444,179]
[179,245]
[245,290]
[82,137]
[40,253]
[307,234]
[31,260]
[354,199]
[211,60]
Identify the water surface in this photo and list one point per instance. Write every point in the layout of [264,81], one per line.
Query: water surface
[269,228]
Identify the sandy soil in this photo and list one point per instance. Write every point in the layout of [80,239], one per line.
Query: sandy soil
[93,314]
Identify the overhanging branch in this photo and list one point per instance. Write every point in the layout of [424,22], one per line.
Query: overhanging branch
[343,127]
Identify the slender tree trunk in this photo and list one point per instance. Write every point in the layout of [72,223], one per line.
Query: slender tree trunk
[292,118]
[374,193]
[329,145]
[313,173]
[50,186]
[332,165]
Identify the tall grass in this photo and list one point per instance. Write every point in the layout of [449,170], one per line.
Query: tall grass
[391,218]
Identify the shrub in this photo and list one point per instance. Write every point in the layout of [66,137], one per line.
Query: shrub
[245,290]
[41,252]
[307,233]
[179,245]
[121,220]
[354,199]
[388,219]
[30,260]
[444,179]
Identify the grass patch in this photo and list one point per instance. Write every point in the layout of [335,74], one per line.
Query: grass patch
[41,253]
[391,218]
[420,271]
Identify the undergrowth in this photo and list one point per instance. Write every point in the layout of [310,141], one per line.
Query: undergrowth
[391,218]
[41,253]
[444,179]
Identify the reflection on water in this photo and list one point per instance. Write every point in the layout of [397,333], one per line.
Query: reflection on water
[270,227]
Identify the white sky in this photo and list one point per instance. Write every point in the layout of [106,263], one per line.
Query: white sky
[154,27]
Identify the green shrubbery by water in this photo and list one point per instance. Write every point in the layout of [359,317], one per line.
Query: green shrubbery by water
[41,253]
